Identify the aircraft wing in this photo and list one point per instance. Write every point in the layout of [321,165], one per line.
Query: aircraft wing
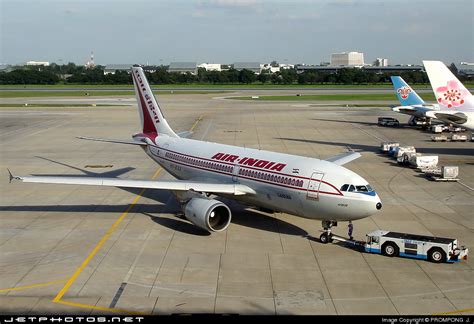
[344,158]
[448,116]
[176,185]
[112,141]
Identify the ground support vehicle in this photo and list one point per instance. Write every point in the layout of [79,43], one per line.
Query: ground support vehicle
[391,244]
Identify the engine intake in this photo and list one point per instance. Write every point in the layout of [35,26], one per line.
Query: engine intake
[209,214]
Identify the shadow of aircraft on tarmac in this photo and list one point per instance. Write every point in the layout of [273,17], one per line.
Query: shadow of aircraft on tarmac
[241,215]
[376,149]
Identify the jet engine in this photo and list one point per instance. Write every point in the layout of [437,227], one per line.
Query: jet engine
[209,214]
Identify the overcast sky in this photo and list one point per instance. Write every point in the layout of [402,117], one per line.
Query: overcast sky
[227,31]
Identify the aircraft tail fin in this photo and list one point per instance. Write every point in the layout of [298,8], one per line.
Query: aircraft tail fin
[405,94]
[152,118]
[449,91]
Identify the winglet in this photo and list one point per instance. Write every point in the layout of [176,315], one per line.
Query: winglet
[344,158]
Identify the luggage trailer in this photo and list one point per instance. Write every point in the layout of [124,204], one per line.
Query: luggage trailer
[434,249]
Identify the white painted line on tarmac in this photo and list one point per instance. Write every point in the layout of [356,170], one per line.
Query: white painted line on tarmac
[465,185]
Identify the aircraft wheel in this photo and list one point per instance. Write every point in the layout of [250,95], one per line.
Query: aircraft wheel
[325,238]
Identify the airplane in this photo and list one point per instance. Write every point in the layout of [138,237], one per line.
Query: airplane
[456,103]
[411,103]
[301,186]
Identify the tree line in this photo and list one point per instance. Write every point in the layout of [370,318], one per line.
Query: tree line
[74,74]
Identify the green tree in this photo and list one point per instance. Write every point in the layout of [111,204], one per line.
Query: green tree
[276,78]
[202,76]
[264,76]
[247,76]
[288,76]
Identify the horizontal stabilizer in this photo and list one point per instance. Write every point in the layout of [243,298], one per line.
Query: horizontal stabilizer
[448,116]
[176,185]
[113,141]
[185,134]
[344,158]
[418,111]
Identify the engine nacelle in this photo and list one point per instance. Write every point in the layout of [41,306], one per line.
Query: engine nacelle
[209,214]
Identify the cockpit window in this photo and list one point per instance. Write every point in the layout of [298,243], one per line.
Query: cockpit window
[352,188]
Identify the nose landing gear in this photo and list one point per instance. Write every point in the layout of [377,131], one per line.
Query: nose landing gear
[326,236]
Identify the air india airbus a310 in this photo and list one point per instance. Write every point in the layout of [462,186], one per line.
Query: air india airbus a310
[300,186]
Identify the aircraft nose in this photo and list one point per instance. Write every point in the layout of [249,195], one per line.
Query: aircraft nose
[378,202]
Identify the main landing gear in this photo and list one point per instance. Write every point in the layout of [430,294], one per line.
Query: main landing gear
[326,237]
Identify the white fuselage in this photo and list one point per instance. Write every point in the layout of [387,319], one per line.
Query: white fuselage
[301,186]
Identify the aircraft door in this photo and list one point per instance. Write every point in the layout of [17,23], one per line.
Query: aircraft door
[164,149]
[235,173]
[314,185]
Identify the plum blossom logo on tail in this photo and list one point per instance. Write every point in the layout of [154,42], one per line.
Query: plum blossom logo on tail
[452,95]
[404,92]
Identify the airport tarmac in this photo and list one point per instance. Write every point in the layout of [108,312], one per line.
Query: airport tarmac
[67,249]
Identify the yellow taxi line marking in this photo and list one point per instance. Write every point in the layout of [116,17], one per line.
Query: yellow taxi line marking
[111,310]
[101,243]
[196,122]
[456,312]
[33,286]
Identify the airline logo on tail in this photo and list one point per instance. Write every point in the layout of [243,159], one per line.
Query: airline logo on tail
[404,92]
[451,95]
[149,102]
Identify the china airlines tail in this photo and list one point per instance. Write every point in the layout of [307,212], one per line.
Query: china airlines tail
[456,103]
[449,91]
[153,121]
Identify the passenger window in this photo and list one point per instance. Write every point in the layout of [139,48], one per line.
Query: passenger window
[344,187]
[351,188]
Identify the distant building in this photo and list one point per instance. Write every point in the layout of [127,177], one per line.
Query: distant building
[251,66]
[210,66]
[376,69]
[347,59]
[111,68]
[183,67]
[6,68]
[276,68]
[394,68]
[466,69]
[36,63]
[381,62]
[300,68]
[286,66]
